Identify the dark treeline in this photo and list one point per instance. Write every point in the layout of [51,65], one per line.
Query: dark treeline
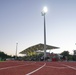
[3,56]
[36,57]
[69,56]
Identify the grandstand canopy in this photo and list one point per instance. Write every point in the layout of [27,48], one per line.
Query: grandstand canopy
[37,47]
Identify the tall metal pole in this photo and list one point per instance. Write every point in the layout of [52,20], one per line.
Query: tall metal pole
[43,14]
[44,39]
[16,50]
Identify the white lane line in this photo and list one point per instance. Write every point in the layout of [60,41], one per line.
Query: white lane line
[35,70]
[56,67]
[15,66]
[11,67]
[70,67]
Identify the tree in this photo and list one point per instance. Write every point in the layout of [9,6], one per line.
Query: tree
[65,53]
[74,57]
[69,56]
[3,56]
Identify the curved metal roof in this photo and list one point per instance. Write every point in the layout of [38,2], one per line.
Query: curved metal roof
[37,47]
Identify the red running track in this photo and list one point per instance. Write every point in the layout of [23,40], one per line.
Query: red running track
[37,68]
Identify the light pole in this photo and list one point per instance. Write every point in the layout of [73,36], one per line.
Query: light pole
[16,50]
[44,11]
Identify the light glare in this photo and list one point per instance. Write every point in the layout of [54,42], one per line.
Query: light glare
[45,9]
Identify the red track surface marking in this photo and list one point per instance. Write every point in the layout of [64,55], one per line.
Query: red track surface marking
[52,68]
[15,66]
[35,70]
[22,70]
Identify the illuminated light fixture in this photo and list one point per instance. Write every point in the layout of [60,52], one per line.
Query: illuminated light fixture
[44,11]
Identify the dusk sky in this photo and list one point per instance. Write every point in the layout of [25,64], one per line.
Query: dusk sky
[21,22]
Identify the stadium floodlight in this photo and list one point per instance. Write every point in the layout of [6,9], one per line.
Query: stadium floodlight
[16,51]
[44,11]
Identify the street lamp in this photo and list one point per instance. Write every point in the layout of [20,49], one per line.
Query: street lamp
[16,50]
[44,11]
